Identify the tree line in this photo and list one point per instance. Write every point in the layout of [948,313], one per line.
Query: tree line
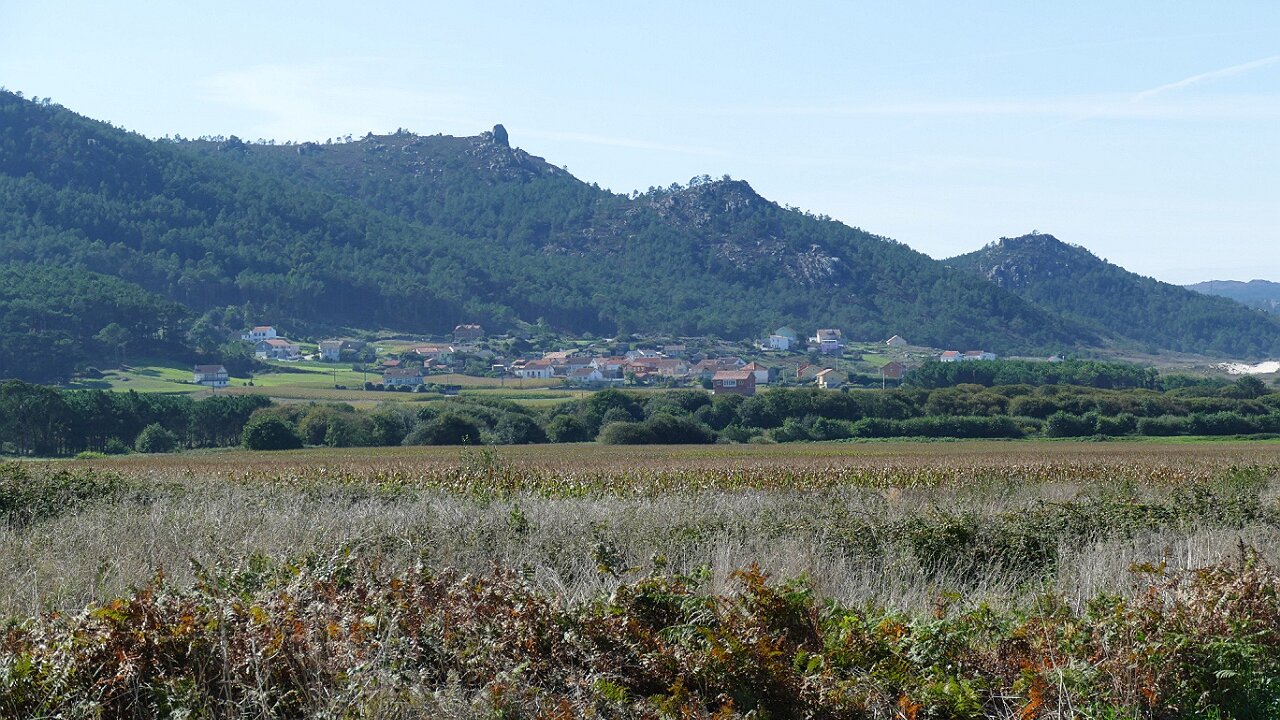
[37,420]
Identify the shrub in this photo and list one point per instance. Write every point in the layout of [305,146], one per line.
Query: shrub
[267,432]
[1122,424]
[116,446]
[156,438]
[1164,425]
[448,428]
[567,429]
[1064,424]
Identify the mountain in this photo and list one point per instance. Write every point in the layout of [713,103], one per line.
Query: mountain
[1121,306]
[421,233]
[1261,294]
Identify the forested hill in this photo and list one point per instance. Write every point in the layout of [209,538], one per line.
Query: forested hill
[712,257]
[1261,294]
[1120,305]
[421,233]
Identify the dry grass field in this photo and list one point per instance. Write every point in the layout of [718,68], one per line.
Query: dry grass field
[911,533]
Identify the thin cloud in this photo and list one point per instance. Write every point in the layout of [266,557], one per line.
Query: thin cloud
[313,101]
[629,143]
[1205,77]
[1250,106]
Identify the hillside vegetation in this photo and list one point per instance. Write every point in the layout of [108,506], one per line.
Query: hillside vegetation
[1120,305]
[421,233]
[418,234]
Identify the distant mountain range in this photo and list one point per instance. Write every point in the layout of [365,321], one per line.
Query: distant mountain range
[1261,294]
[420,233]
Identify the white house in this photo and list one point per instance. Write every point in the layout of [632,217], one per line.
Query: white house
[439,353]
[209,375]
[330,350]
[828,380]
[395,377]
[778,342]
[276,349]
[534,369]
[763,374]
[260,333]
[827,340]
[586,376]
[949,356]
[979,355]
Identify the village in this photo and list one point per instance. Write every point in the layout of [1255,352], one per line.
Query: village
[784,357]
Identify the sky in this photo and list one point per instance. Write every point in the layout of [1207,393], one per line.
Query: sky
[1147,132]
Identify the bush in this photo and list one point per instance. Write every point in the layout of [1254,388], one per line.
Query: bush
[267,432]
[116,446]
[567,429]
[1064,424]
[447,429]
[1122,424]
[1164,425]
[658,430]
[156,438]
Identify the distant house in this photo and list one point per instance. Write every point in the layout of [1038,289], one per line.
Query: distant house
[764,375]
[210,375]
[534,369]
[893,371]
[788,333]
[276,349]
[1055,358]
[779,342]
[468,332]
[640,353]
[807,371]
[391,363]
[664,366]
[827,341]
[330,350]
[710,366]
[259,333]
[439,353]
[978,355]
[733,382]
[896,341]
[397,377]
[949,356]
[828,379]
[610,366]
[585,376]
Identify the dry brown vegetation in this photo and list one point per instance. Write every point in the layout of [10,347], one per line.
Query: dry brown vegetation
[897,528]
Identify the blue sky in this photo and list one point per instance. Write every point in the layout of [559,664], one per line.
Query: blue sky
[1148,132]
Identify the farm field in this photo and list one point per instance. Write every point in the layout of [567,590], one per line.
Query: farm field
[872,579]
[311,381]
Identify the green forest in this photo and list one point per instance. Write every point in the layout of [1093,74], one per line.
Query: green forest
[1114,302]
[122,240]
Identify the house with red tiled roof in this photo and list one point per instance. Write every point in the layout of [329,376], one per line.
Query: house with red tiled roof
[893,370]
[949,356]
[259,333]
[733,382]
[764,375]
[276,348]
